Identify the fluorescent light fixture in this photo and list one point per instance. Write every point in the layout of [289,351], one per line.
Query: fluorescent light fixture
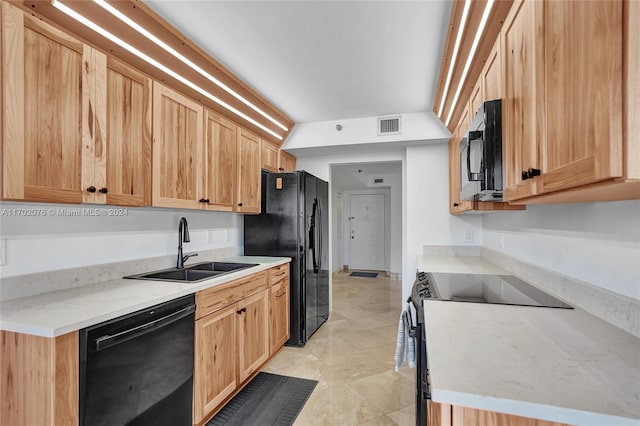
[454,56]
[124,18]
[474,46]
[78,17]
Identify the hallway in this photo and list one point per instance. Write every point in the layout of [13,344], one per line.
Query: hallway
[352,357]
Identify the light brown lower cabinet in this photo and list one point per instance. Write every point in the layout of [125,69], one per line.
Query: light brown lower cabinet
[278,315]
[233,332]
[39,379]
[440,414]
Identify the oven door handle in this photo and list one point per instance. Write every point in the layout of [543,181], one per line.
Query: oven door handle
[108,341]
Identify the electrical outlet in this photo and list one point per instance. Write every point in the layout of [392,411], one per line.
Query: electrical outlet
[3,251]
[210,237]
[468,236]
[502,240]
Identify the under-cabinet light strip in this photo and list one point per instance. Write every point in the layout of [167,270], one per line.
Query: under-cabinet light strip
[124,18]
[474,46]
[78,17]
[454,56]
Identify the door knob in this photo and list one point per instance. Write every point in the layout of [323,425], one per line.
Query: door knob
[103,190]
[91,189]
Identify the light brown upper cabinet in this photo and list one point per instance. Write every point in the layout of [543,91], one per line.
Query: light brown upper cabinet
[564,105]
[491,76]
[221,162]
[456,206]
[178,160]
[269,156]
[78,124]
[522,108]
[476,99]
[48,114]
[248,198]
[128,136]
[286,162]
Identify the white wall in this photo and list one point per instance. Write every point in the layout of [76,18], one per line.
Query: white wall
[595,242]
[338,230]
[55,241]
[415,127]
[320,167]
[428,221]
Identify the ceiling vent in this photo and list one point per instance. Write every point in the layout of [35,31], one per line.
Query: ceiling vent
[388,126]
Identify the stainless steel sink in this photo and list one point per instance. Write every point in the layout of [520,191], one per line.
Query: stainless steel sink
[193,273]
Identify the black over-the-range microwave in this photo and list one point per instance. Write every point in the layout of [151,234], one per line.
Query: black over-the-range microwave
[481,176]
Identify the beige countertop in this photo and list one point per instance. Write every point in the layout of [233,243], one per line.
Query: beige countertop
[562,365]
[60,312]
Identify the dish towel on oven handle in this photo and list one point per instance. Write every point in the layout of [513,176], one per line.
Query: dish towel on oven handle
[406,341]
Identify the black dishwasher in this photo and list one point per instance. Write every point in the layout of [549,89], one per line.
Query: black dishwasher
[138,369]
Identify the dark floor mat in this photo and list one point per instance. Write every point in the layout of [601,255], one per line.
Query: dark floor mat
[269,399]
[364,274]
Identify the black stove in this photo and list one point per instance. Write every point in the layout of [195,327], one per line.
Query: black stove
[483,288]
[466,288]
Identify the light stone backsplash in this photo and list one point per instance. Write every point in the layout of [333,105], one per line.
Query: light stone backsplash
[45,282]
[451,250]
[616,309]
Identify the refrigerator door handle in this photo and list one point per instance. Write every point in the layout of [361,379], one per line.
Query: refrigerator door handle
[312,235]
[320,231]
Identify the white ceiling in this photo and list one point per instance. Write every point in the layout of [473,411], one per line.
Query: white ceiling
[323,60]
[357,176]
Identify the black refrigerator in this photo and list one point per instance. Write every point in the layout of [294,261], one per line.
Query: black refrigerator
[294,223]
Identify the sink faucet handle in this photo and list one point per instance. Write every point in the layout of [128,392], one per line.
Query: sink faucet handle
[184,259]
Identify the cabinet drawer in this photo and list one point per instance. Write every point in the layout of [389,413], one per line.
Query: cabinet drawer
[215,298]
[277,273]
[279,288]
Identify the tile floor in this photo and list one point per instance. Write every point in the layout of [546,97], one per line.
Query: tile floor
[352,357]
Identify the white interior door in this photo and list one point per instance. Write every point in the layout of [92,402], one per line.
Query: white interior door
[367,225]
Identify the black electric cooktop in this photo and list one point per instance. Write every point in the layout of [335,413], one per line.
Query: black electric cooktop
[478,288]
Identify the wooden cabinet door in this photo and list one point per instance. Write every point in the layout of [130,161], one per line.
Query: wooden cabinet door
[248,199]
[278,315]
[269,156]
[46,110]
[215,367]
[522,104]
[253,332]
[491,75]
[583,68]
[286,162]
[476,99]
[438,414]
[464,416]
[221,157]
[177,150]
[127,171]
[457,206]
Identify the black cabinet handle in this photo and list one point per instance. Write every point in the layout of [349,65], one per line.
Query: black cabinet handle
[525,175]
[455,204]
[103,190]
[204,200]
[239,204]
[241,311]
[281,169]
[91,189]
[534,172]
